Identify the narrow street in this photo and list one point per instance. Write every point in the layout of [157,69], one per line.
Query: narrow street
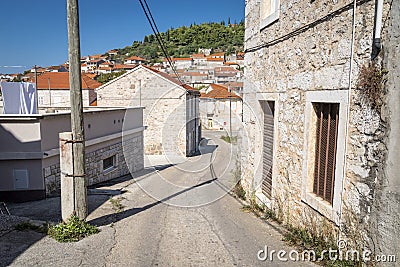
[179,216]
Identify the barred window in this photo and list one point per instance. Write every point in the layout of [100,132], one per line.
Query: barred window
[327,115]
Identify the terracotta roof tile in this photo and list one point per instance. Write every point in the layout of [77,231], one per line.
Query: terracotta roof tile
[179,59]
[135,58]
[198,56]
[123,66]
[214,59]
[219,92]
[60,80]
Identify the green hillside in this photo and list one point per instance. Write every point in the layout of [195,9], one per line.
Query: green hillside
[183,41]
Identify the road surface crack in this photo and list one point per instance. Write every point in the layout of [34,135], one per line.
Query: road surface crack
[214,230]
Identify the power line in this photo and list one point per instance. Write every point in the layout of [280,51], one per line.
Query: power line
[156,32]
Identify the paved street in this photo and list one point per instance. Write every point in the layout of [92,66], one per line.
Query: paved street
[180,215]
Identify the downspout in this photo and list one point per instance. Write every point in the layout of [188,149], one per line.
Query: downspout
[347,115]
[376,43]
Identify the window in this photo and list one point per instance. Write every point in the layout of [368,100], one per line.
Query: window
[269,12]
[109,163]
[268,146]
[324,146]
[327,120]
[41,100]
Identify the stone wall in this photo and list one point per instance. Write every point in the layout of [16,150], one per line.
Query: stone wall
[385,219]
[306,52]
[129,158]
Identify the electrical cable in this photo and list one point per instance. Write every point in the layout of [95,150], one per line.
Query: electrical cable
[154,27]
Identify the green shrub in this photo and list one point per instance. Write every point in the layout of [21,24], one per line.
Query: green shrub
[229,139]
[72,231]
[239,191]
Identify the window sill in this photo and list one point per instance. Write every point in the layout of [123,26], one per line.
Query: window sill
[269,20]
[320,205]
[109,170]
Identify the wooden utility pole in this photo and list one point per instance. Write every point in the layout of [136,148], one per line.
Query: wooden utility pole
[36,90]
[230,113]
[77,126]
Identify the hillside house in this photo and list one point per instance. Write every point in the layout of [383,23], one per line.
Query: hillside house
[171,114]
[199,59]
[318,150]
[226,74]
[219,107]
[179,63]
[54,90]
[134,60]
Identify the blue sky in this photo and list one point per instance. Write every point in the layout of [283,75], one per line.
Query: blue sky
[35,32]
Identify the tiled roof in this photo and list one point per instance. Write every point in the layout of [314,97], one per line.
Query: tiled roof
[123,66]
[219,92]
[180,59]
[240,56]
[105,68]
[135,58]
[235,84]
[214,59]
[60,80]
[170,78]
[194,74]
[198,56]
[230,63]
[225,69]
[91,75]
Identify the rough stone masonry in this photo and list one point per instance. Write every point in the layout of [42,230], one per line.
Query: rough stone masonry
[304,57]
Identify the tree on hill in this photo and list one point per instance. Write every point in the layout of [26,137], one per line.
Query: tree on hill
[183,41]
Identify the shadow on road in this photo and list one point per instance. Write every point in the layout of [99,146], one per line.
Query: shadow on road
[206,148]
[112,218]
[14,243]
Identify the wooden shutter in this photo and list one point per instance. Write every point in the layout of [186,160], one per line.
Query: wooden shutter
[325,152]
[268,146]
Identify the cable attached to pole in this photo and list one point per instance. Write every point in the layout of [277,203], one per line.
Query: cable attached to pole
[154,27]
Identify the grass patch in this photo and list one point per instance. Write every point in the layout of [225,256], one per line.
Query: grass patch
[305,240]
[116,204]
[239,191]
[229,139]
[72,231]
[27,226]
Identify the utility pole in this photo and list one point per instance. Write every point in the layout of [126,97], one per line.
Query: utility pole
[77,126]
[36,89]
[48,82]
[230,112]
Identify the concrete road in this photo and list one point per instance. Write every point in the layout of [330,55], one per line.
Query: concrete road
[180,215]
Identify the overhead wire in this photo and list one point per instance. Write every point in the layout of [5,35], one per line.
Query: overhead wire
[153,25]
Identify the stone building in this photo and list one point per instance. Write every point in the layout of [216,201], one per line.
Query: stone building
[219,108]
[171,114]
[321,128]
[54,90]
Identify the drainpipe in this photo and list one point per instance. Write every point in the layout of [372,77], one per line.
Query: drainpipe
[376,44]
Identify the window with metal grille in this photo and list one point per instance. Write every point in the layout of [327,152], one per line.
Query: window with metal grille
[327,115]
[109,163]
